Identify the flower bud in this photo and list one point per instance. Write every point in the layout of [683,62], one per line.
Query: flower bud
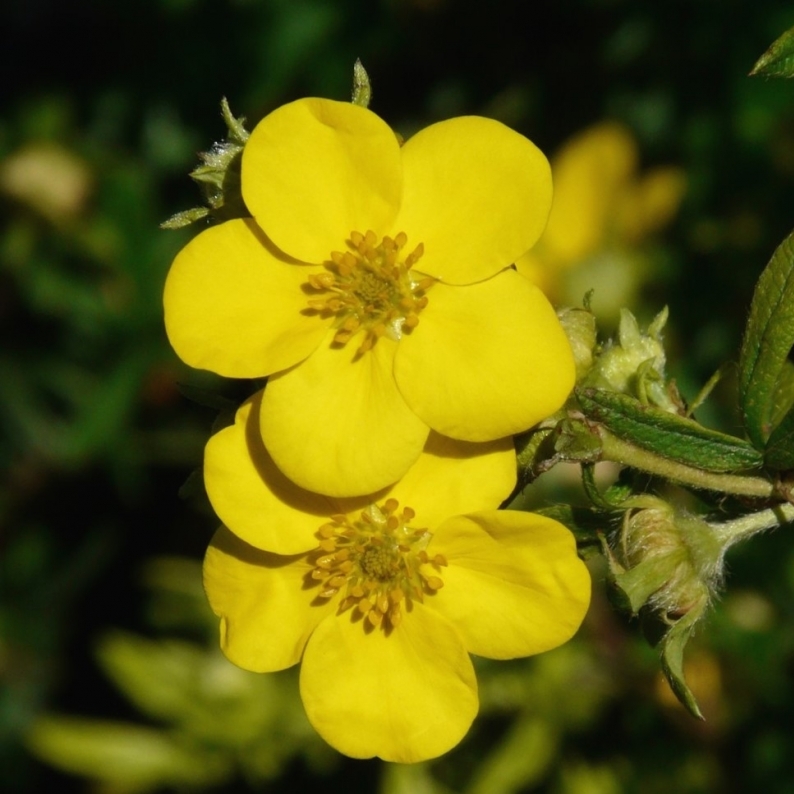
[670,561]
[635,363]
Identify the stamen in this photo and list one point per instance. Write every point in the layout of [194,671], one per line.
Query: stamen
[369,289]
[373,562]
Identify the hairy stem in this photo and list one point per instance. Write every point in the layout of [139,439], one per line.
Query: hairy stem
[729,532]
[619,451]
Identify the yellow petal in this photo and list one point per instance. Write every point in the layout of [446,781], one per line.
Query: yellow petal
[315,170]
[266,610]
[590,172]
[651,203]
[252,497]
[486,360]
[452,477]
[514,585]
[405,697]
[337,424]
[234,305]
[476,194]
[542,271]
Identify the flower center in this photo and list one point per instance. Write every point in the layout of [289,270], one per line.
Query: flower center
[376,561]
[370,289]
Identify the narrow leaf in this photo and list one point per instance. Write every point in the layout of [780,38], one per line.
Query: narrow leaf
[672,647]
[778,60]
[666,434]
[767,341]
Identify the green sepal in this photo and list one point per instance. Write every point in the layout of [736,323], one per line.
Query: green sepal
[668,435]
[535,453]
[185,218]
[577,441]
[639,583]
[767,341]
[778,60]
[362,88]
[672,657]
[218,177]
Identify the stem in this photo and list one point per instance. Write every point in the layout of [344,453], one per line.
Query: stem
[614,449]
[729,532]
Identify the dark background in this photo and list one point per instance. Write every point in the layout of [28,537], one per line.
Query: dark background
[106,105]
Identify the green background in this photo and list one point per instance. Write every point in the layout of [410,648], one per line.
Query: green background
[114,101]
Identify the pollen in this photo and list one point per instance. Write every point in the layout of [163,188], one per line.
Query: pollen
[371,289]
[378,565]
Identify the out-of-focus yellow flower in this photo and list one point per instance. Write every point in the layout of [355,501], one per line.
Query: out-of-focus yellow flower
[600,205]
[373,286]
[383,597]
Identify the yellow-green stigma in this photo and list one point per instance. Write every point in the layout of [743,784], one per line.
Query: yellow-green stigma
[375,561]
[370,289]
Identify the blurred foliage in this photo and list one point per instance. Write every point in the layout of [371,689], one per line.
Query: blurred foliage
[96,140]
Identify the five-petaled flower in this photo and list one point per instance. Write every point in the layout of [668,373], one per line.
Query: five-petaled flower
[382,598]
[373,285]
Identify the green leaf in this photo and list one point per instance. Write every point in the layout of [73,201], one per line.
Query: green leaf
[672,646]
[780,447]
[159,677]
[778,60]
[129,758]
[779,452]
[767,341]
[666,434]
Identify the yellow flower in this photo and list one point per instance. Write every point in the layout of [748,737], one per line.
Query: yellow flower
[599,203]
[384,597]
[373,286]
